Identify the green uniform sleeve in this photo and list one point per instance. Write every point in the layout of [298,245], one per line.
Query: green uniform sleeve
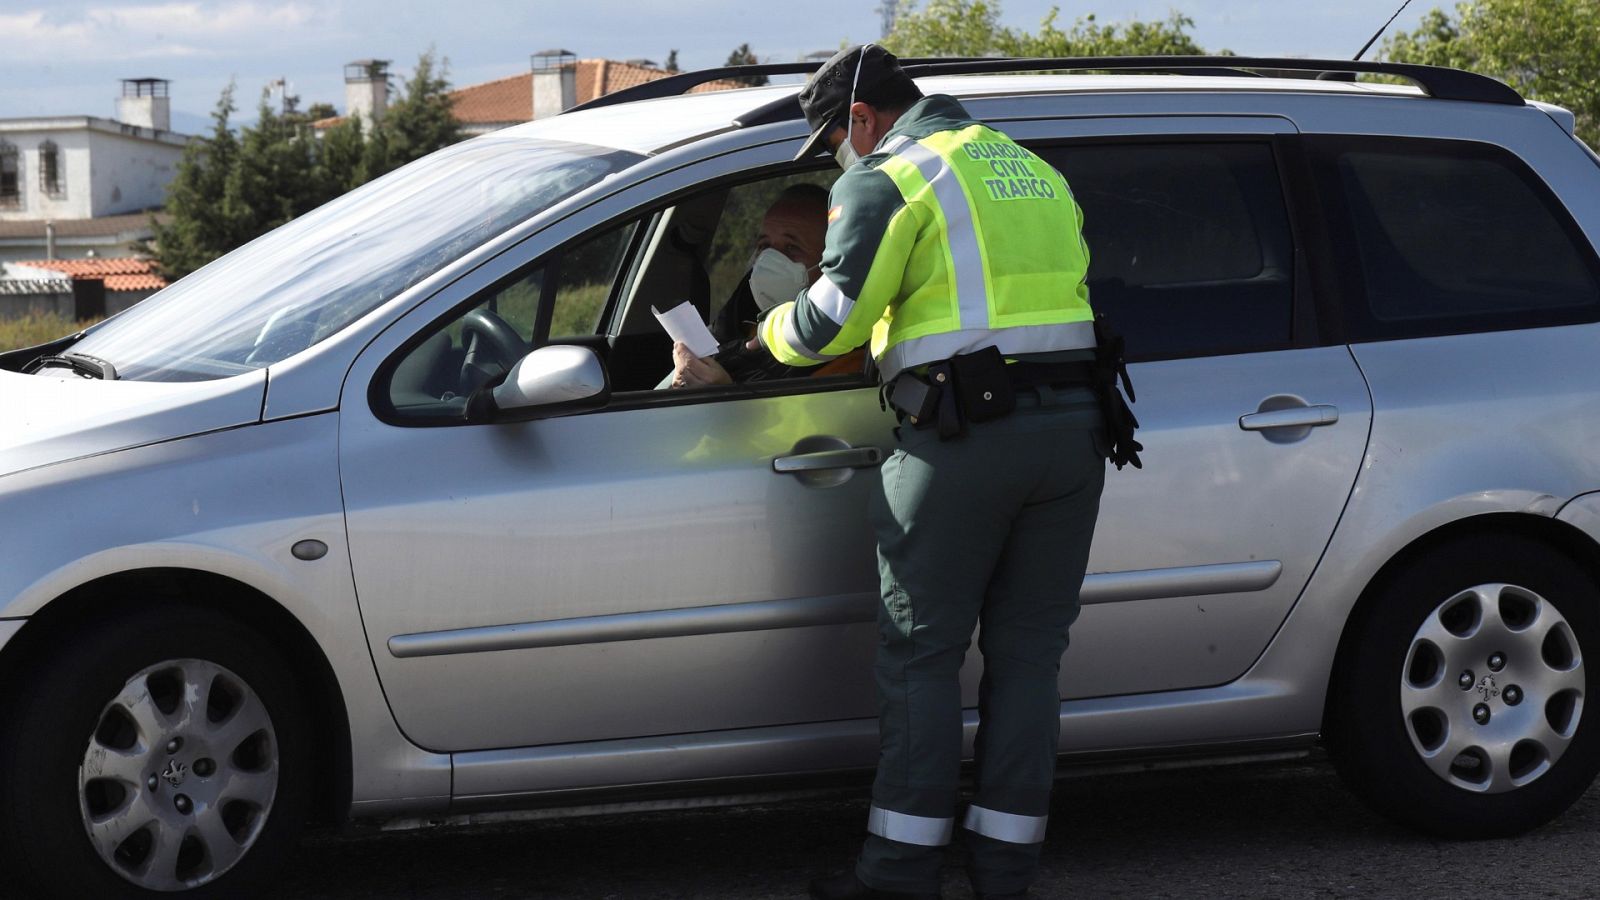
[871,231]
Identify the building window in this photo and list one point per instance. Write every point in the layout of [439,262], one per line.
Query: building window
[10,177]
[52,178]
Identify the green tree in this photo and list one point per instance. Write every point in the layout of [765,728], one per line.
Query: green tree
[1547,49]
[1087,37]
[200,228]
[743,56]
[321,110]
[950,28]
[973,28]
[421,121]
[233,187]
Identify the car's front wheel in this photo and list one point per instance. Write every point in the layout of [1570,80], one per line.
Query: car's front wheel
[162,753]
[1459,705]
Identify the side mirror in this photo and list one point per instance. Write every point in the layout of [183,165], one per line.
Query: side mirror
[555,380]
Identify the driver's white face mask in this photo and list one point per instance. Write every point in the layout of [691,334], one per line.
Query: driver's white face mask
[775,278]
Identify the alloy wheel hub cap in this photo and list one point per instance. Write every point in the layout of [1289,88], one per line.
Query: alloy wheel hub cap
[179,776]
[1493,688]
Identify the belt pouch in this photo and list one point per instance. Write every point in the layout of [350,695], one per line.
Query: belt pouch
[915,398]
[984,385]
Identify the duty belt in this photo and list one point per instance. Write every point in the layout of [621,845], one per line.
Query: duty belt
[981,387]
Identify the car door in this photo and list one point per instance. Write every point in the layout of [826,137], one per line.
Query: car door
[641,570]
[1253,432]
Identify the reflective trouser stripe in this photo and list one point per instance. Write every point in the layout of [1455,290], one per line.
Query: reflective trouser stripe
[1018,339]
[1008,827]
[907,829]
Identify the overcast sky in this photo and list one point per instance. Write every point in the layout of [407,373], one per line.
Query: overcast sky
[65,57]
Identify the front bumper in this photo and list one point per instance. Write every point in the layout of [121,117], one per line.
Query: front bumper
[9,628]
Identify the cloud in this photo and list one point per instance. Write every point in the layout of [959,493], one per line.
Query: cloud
[150,31]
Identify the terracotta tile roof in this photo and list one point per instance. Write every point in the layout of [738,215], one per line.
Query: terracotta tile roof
[607,76]
[501,100]
[510,99]
[135,283]
[124,273]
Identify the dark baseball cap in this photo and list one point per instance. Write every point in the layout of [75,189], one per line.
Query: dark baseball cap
[825,99]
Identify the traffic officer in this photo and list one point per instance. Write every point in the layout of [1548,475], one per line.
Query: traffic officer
[960,255]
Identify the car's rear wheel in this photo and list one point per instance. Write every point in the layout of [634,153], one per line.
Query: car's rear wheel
[164,753]
[1459,704]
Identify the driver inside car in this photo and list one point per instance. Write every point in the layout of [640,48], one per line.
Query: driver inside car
[788,257]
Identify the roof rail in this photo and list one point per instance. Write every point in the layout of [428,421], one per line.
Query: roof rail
[673,85]
[1437,82]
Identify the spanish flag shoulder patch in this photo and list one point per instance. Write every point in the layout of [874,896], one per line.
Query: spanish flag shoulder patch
[833,214]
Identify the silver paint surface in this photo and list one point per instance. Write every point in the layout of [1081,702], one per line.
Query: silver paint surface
[641,512]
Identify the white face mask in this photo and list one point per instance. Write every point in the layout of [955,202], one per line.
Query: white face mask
[846,156]
[775,278]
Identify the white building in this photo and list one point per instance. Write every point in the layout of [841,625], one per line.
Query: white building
[74,169]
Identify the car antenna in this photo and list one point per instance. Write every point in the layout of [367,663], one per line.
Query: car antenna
[1385,27]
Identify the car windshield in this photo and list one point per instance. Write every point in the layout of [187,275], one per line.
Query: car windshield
[303,282]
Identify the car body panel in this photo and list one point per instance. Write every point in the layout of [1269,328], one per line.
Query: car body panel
[1583,513]
[1200,467]
[9,629]
[623,512]
[48,419]
[563,534]
[231,503]
[1427,394]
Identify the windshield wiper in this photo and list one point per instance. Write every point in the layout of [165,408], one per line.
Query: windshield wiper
[83,363]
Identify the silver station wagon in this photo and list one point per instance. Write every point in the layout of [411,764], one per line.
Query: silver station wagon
[386,514]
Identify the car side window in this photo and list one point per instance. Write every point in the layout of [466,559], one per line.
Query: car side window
[1190,248]
[1451,236]
[561,298]
[700,252]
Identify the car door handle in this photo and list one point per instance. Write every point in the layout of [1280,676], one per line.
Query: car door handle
[849,458]
[1295,417]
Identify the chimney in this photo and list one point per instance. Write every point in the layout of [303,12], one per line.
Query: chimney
[144,102]
[366,91]
[555,82]
[49,239]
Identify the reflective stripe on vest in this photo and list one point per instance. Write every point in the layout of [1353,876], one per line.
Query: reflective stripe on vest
[1008,827]
[908,829]
[907,341]
[1010,341]
[966,254]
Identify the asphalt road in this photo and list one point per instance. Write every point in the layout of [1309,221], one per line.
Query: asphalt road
[1286,829]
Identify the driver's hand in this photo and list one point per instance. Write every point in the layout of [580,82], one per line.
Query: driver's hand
[691,371]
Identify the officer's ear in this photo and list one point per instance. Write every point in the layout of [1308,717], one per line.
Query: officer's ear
[865,121]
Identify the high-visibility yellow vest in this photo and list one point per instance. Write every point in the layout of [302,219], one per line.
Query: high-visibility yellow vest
[949,238]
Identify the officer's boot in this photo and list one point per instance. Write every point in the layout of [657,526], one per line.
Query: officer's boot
[849,887]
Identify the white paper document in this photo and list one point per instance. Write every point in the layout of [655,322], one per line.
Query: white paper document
[683,323]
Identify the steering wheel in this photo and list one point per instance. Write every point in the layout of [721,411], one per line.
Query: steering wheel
[492,346]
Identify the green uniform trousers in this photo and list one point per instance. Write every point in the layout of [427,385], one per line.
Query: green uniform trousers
[991,529]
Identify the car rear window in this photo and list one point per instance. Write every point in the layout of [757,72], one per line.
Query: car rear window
[1446,237]
[1189,244]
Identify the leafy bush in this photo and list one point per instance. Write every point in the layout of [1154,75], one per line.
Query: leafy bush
[36,328]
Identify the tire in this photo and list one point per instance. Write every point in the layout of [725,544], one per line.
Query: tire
[97,713]
[1419,668]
